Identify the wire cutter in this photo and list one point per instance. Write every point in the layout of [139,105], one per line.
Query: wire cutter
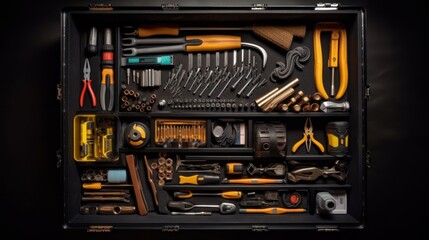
[312,173]
[308,138]
[106,79]
[87,84]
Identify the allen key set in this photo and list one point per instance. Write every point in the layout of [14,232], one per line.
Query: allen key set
[208,118]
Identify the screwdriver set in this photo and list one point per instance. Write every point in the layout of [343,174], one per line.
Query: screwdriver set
[226,116]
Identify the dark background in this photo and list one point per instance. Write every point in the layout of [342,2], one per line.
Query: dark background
[397,185]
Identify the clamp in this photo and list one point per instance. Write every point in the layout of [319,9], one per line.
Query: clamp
[338,34]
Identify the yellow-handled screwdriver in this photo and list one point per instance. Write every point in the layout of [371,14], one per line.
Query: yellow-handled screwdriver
[99,185]
[226,194]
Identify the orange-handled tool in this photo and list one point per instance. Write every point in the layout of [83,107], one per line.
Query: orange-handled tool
[99,185]
[274,210]
[338,32]
[253,180]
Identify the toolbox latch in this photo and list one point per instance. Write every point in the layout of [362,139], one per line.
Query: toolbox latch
[327,228]
[367,92]
[327,6]
[368,159]
[259,6]
[100,228]
[170,6]
[59,92]
[100,6]
[259,228]
[170,228]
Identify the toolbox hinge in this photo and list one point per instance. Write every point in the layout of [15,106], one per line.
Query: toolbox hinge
[100,6]
[259,6]
[100,228]
[59,92]
[368,159]
[327,6]
[259,228]
[367,92]
[170,228]
[59,154]
[327,228]
[170,6]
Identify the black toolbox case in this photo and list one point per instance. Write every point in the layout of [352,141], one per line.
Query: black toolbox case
[260,140]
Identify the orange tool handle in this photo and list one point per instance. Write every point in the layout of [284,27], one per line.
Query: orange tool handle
[255,181]
[213,43]
[318,144]
[198,179]
[98,185]
[318,57]
[107,76]
[147,30]
[273,210]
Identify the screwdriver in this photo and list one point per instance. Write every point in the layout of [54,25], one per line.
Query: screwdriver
[99,185]
[226,194]
[253,181]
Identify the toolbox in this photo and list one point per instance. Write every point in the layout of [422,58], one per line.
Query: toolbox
[186,117]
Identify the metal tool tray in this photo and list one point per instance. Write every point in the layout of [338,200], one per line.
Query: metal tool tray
[75,25]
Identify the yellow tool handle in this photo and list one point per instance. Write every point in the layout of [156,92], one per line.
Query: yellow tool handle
[148,30]
[255,180]
[107,73]
[213,43]
[318,58]
[273,210]
[318,144]
[94,186]
[299,143]
[232,194]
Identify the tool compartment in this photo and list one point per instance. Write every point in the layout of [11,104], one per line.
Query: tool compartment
[194,143]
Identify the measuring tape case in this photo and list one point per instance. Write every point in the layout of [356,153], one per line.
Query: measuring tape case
[214,117]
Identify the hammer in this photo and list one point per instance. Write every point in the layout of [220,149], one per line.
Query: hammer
[202,43]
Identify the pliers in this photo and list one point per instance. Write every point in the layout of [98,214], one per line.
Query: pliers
[308,138]
[87,84]
[312,173]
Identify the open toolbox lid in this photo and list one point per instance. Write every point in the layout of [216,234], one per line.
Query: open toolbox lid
[74,34]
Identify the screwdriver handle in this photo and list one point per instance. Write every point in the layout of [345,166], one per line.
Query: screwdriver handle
[93,186]
[254,181]
[232,194]
[213,43]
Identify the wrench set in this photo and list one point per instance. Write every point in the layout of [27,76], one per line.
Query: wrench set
[225,120]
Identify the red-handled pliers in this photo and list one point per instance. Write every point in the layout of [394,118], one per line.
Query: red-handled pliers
[87,84]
